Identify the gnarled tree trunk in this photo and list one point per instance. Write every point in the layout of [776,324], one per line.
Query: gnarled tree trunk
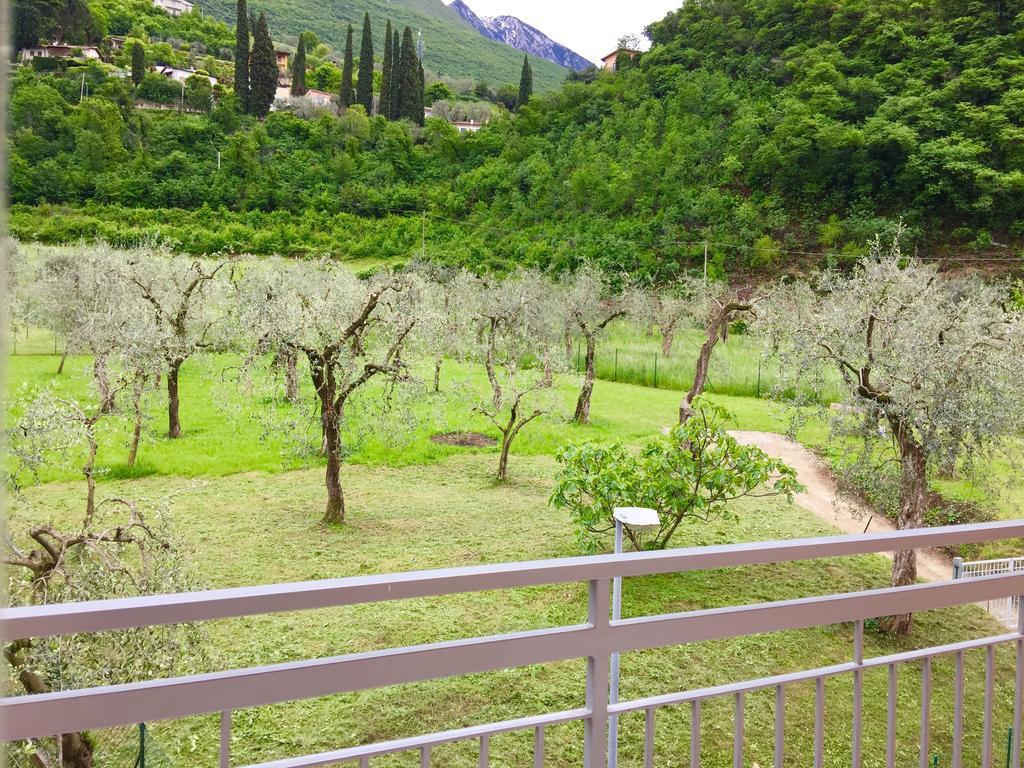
[291,376]
[334,514]
[913,504]
[437,373]
[668,336]
[582,414]
[700,376]
[173,421]
[137,388]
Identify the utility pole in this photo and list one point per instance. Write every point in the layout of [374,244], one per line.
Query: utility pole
[81,92]
[423,237]
[705,261]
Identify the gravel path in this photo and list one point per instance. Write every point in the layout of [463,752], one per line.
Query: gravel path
[823,499]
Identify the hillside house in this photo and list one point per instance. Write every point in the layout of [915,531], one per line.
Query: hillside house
[467,126]
[181,75]
[318,98]
[174,7]
[282,62]
[60,51]
[609,62]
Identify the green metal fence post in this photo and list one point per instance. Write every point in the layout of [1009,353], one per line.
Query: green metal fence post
[655,370]
[615,376]
[141,762]
[1009,745]
[759,376]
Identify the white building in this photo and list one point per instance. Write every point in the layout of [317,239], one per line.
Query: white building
[174,7]
[467,126]
[60,51]
[181,75]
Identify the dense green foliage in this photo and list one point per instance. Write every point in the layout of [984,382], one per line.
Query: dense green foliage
[760,126]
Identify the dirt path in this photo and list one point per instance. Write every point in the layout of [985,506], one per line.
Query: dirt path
[823,499]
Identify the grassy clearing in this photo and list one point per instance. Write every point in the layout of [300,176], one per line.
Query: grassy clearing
[255,527]
[224,434]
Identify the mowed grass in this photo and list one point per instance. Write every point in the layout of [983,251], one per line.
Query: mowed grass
[257,527]
[229,429]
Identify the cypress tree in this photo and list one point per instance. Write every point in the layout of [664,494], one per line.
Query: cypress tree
[242,55]
[263,77]
[138,63]
[420,97]
[299,69]
[384,107]
[364,89]
[396,63]
[525,83]
[410,90]
[347,97]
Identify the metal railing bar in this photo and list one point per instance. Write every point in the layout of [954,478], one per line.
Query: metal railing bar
[695,734]
[890,717]
[858,694]
[225,739]
[430,740]
[819,722]
[23,717]
[737,731]
[740,621]
[958,710]
[122,613]
[649,737]
[986,754]
[926,709]
[780,726]
[802,676]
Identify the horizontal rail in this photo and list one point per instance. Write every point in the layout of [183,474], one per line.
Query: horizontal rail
[802,676]
[66,711]
[124,613]
[430,740]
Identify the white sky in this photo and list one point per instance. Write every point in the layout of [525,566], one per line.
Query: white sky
[589,27]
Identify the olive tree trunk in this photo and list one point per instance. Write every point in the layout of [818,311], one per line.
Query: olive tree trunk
[582,414]
[913,504]
[173,420]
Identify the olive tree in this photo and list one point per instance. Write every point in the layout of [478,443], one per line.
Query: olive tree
[182,297]
[120,548]
[935,358]
[350,330]
[720,305]
[591,300]
[515,338]
[670,307]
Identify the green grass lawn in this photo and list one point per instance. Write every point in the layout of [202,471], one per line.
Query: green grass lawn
[257,527]
[248,514]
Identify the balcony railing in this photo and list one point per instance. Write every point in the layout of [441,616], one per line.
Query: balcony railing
[46,715]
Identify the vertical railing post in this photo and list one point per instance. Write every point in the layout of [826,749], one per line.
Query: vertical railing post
[142,746]
[225,739]
[1018,687]
[958,567]
[596,724]
[613,694]
[858,692]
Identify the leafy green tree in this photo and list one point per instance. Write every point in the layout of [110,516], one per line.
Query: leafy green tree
[364,88]
[242,54]
[263,77]
[525,83]
[437,92]
[347,96]
[138,63]
[299,69]
[199,92]
[386,74]
[689,477]
[410,84]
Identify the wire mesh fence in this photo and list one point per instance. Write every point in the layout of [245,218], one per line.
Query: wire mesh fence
[126,747]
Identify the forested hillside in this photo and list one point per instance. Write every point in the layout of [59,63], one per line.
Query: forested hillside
[450,48]
[761,126]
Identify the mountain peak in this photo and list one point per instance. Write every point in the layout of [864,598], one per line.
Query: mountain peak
[516,33]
